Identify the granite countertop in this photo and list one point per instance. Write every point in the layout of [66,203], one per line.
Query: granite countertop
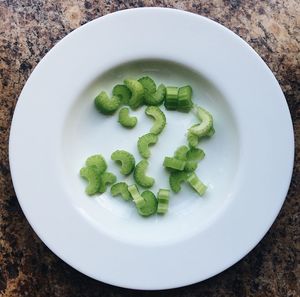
[28,30]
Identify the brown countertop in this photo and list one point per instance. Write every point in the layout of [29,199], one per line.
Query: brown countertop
[28,29]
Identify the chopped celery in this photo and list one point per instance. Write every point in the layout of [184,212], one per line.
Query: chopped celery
[150,206]
[126,159]
[144,142]
[106,105]
[137,92]
[163,197]
[136,196]
[176,179]
[106,178]
[197,184]
[181,153]
[125,119]
[206,122]
[121,189]
[171,100]
[159,119]
[93,179]
[174,163]
[140,175]
[98,162]
[157,97]
[185,103]
[148,84]
[195,154]
[123,93]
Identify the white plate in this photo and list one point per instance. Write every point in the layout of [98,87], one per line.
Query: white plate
[248,162]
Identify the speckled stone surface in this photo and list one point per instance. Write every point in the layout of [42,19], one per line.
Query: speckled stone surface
[28,29]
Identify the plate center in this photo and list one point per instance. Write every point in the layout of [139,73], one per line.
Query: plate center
[88,132]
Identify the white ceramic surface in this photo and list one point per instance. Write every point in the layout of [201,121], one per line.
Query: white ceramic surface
[56,127]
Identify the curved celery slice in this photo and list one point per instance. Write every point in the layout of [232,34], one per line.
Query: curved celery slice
[181,153]
[174,163]
[93,178]
[98,162]
[123,93]
[125,119]
[144,142]
[193,140]
[136,196]
[152,96]
[137,92]
[106,105]
[206,122]
[197,184]
[163,197]
[150,206]
[140,175]
[159,119]
[148,84]
[157,97]
[126,159]
[121,189]
[107,178]
[176,179]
